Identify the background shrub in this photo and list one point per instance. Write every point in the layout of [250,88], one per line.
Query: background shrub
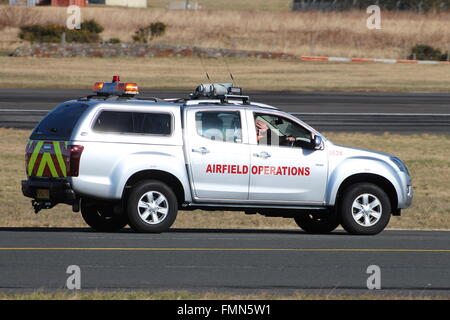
[425,52]
[147,34]
[114,40]
[38,33]
[88,33]
[92,26]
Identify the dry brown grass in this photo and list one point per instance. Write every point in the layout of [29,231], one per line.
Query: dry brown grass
[429,166]
[251,74]
[186,295]
[301,33]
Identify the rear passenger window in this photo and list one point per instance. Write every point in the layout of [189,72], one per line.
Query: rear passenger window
[134,122]
[222,126]
[152,123]
[113,121]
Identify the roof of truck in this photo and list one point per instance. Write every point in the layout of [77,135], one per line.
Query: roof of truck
[210,94]
[182,103]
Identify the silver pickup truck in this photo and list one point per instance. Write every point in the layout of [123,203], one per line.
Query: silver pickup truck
[125,161]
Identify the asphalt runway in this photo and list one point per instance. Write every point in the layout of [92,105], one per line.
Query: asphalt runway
[404,113]
[412,263]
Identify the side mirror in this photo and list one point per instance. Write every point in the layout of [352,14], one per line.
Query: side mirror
[317,142]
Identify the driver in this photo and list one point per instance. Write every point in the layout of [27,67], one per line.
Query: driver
[261,133]
[261,130]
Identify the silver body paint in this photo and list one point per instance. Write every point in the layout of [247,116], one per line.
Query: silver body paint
[110,160]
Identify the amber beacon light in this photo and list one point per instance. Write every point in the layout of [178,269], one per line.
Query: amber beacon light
[116,88]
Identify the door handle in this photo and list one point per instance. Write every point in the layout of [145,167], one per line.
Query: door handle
[263,155]
[201,150]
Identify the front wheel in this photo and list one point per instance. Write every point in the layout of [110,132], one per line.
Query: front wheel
[318,222]
[152,207]
[101,217]
[365,209]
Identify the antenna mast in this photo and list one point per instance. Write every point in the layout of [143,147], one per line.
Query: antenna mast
[204,68]
[229,71]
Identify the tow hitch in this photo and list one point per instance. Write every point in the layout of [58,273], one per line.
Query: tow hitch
[39,205]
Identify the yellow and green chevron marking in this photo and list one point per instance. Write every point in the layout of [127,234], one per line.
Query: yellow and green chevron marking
[47,159]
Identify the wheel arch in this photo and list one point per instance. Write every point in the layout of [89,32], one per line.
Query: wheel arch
[375,179]
[172,181]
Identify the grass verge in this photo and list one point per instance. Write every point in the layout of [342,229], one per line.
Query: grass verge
[186,295]
[251,74]
[427,160]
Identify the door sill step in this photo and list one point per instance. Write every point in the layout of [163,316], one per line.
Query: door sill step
[257,206]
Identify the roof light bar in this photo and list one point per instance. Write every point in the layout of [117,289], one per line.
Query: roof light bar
[128,88]
[98,86]
[116,88]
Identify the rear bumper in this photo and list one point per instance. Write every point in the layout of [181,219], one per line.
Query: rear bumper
[59,191]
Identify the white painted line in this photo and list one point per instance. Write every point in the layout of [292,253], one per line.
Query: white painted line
[339,59]
[300,113]
[343,59]
[427,62]
[371,114]
[22,110]
[385,60]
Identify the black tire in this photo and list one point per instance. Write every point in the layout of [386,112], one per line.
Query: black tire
[161,216]
[100,216]
[349,215]
[319,223]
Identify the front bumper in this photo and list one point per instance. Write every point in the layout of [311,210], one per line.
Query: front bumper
[49,190]
[409,195]
[405,193]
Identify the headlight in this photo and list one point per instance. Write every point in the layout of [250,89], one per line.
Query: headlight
[399,163]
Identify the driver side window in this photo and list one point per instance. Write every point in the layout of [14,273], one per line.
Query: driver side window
[274,130]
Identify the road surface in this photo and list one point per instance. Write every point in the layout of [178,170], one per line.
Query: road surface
[404,113]
[245,261]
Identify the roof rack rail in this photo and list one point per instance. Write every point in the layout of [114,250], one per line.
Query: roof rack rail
[155,99]
[102,97]
[245,99]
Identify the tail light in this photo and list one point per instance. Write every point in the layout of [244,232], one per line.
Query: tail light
[75,152]
[27,158]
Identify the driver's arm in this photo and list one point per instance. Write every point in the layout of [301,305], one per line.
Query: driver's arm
[286,140]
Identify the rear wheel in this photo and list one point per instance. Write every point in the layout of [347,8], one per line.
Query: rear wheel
[318,222]
[365,209]
[100,216]
[152,207]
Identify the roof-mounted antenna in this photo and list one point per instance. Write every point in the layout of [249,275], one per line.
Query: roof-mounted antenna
[229,71]
[204,68]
